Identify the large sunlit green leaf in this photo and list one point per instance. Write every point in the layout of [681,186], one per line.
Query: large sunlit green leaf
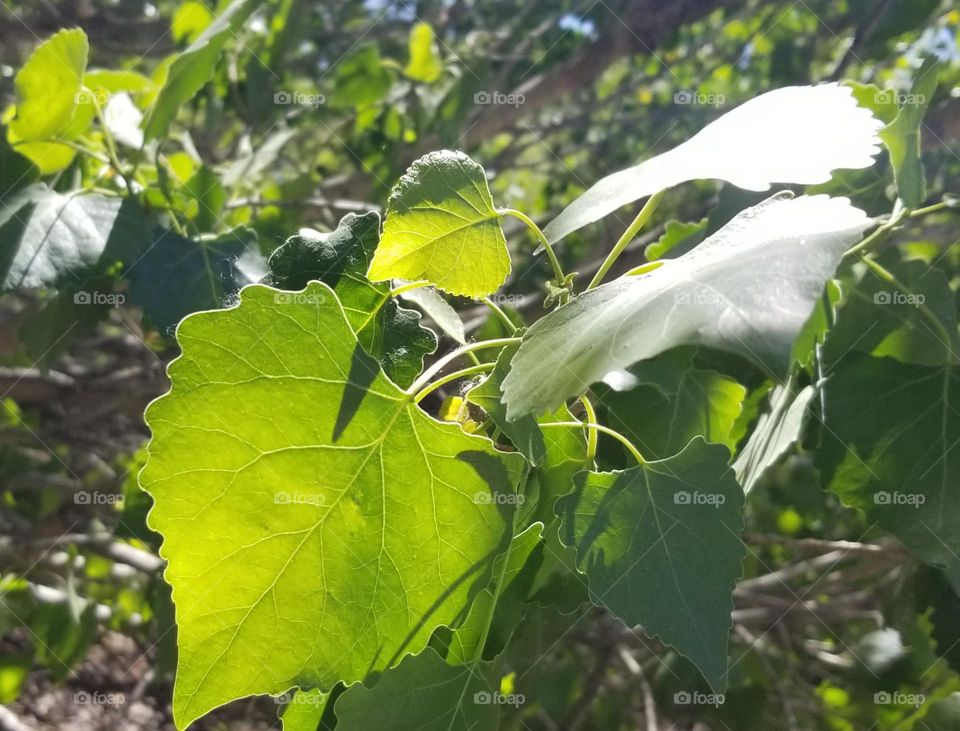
[889,448]
[660,545]
[798,134]
[441,226]
[424,693]
[194,67]
[747,289]
[390,333]
[323,526]
[47,238]
[48,86]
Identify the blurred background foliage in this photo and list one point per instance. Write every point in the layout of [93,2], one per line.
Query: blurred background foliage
[299,112]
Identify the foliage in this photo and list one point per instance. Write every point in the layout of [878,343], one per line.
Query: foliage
[468,511]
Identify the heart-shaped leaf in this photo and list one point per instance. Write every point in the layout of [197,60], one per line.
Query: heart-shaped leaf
[324,527]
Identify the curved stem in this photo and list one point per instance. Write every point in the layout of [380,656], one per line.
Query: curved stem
[605,430]
[408,286]
[504,317]
[591,433]
[425,377]
[455,376]
[554,261]
[629,235]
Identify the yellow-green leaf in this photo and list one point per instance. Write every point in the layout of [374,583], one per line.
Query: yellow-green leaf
[442,226]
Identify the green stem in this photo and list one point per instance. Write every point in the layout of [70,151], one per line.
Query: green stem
[554,261]
[110,143]
[929,209]
[604,430]
[629,235]
[455,376]
[591,433]
[500,314]
[408,286]
[442,363]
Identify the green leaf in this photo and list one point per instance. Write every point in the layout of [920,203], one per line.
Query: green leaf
[670,402]
[798,134]
[360,79]
[778,429]
[304,710]
[441,226]
[390,333]
[209,196]
[194,67]
[747,289]
[189,21]
[660,545]
[881,319]
[425,64]
[16,170]
[943,715]
[465,641]
[292,540]
[676,235]
[175,276]
[423,693]
[114,81]
[434,306]
[48,86]
[888,448]
[902,136]
[47,238]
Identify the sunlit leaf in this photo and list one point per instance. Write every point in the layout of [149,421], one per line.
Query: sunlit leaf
[425,64]
[798,134]
[292,540]
[441,225]
[48,86]
[747,289]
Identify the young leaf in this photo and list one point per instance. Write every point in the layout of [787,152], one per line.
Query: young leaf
[434,306]
[441,226]
[798,134]
[294,541]
[47,237]
[902,136]
[425,64]
[194,67]
[390,333]
[776,432]
[660,545]
[423,693]
[889,448]
[747,289]
[48,86]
